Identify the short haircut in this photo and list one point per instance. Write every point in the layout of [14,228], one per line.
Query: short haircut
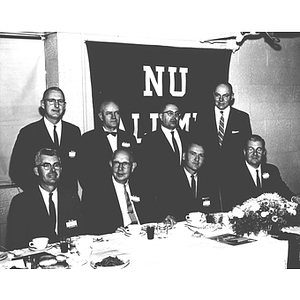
[105,103]
[191,142]
[45,151]
[225,83]
[256,138]
[126,150]
[163,106]
[53,88]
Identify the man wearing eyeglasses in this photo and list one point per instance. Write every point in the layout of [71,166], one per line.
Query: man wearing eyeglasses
[44,210]
[98,145]
[224,130]
[254,176]
[49,132]
[120,201]
[161,156]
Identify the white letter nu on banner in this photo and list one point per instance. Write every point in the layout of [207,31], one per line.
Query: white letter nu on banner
[157,84]
[172,71]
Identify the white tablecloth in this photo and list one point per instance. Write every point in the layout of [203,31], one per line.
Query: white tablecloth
[180,251]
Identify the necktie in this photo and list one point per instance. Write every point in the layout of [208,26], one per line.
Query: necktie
[55,136]
[221,129]
[52,213]
[258,183]
[175,145]
[193,186]
[112,133]
[129,207]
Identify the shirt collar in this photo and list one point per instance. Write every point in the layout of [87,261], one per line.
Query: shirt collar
[50,125]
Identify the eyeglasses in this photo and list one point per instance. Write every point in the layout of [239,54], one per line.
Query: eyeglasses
[125,164]
[48,166]
[112,113]
[224,97]
[172,113]
[258,150]
[56,101]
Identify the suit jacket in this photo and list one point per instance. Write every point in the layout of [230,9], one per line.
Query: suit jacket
[223,159]
[28,217]
[102,213]
[94,156]
[30,140]
[181,200]
[243,187]
[158,164]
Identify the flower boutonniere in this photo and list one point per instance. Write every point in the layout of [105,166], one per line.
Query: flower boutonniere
[265,175]
[135,198]
[125,145]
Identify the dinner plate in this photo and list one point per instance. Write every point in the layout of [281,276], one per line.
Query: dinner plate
[45,249]
[124,258]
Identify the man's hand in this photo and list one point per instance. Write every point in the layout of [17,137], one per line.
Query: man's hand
[170,220]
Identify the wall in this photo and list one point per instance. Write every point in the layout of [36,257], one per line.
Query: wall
[267,85]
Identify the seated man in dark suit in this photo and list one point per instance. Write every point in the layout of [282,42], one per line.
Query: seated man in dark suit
[254,176]
[45,210]
[118,202]
[195,188]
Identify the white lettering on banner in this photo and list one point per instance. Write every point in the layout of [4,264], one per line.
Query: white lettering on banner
[149,76]
[158,83]
[184,123]
[172,71]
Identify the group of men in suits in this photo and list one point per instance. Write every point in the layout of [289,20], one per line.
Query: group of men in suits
[171,173]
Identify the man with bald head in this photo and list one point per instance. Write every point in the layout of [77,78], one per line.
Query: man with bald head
[224,130]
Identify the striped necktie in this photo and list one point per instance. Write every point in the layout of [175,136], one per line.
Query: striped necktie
[221,129]
[129,207]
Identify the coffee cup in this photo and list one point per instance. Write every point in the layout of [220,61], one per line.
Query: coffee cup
[39,243]
[194,217]
[134,229]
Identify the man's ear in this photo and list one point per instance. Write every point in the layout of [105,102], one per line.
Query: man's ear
[133,166]
[183,156]
[42,104]
[160,116]
[36,171]
[110,163]
[100,116]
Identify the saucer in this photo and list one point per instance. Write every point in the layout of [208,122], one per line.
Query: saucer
[44,249]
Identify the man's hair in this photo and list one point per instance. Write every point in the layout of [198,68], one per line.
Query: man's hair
[256,138]
[126,150]
[225,83]
[53,88]
[163,106]
[105,103]
[45,151]
[191,142]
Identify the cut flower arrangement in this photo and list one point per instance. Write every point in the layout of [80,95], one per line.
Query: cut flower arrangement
[263,213]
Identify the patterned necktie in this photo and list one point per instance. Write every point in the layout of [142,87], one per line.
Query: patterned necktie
[129,207]
[175,145]
[55,136]
[52,213]
[193,186]
[221,129]
[258,183]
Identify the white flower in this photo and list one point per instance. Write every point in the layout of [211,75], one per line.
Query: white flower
[125,145]
[265,175]
[264,213]
[255,206]
[237,212]
[135,198]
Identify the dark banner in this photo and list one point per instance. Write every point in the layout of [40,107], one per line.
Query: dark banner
[143,77]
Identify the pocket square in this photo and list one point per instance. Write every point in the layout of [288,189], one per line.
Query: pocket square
[135,199]
[235,131]
[125,145]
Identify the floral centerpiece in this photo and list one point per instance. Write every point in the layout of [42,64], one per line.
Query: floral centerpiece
[263,213]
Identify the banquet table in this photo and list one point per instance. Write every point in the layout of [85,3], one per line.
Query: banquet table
[181,250]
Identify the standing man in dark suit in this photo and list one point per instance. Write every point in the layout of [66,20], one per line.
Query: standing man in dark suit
[97,147]
[49,132]
[161,157]
[254,176]
[44,210]
[224,131]
[119,201]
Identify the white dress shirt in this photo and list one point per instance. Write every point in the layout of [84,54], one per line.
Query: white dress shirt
[45,195]
[168,135]
[119,187]
[112,140]
[226,112]
[253,172]
[50,128]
